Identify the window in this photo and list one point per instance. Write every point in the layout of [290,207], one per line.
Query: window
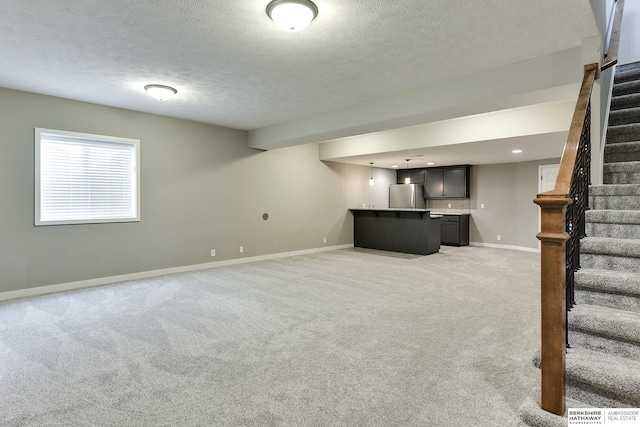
[82,178]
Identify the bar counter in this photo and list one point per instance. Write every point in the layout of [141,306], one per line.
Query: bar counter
[413,231]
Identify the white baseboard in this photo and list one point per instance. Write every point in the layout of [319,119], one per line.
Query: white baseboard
[496,246]
[42,290]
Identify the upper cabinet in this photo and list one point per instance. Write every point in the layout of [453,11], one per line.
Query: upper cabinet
[447,183]
[451,182]
[416,175]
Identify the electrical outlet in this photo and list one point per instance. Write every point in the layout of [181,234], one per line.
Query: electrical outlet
[241,249]
[449,205]
[324,240]
[213,252]
[499,237]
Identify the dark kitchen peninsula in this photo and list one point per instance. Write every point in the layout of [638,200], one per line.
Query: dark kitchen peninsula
[413,231]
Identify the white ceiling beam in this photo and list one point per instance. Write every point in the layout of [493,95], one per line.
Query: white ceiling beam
[539,119]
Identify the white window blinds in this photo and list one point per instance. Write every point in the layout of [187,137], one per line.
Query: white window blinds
[83,178]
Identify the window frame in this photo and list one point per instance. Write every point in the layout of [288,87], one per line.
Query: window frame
[99,139]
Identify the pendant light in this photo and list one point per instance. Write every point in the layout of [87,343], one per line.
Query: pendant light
[407,179]
[292,15]
[371,179]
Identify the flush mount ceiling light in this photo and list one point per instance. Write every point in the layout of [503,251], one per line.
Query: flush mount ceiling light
[160,92]
[292,15]
[518,151]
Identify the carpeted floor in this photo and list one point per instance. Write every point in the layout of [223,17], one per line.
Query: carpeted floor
[342,338]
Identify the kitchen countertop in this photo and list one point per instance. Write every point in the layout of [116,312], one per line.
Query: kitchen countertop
[390,209]
[436,212]
[449,213]
[431,214]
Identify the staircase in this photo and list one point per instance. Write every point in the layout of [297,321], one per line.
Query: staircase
[603,363]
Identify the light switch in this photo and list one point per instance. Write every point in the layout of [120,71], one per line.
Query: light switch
[481,205]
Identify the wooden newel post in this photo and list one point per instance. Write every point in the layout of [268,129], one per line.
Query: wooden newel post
[553,298]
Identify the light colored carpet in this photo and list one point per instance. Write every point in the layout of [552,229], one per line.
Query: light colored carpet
[342,338]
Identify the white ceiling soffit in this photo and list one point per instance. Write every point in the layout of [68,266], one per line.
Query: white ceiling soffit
[495,151]
[539,130]
[233,67]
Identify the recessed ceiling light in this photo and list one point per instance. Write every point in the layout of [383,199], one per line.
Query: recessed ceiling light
[160,92]
[430,164]
[516,151]
[394,166]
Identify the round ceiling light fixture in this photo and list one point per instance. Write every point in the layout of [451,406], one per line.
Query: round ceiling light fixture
[160,92]
[292,15]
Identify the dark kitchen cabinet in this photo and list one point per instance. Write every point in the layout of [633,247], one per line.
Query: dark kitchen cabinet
[416,175]
[434,183]
[454,230]
[447,183]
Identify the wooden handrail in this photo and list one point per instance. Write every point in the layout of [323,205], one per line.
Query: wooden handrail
[553,237]
[568,162]
[611,56]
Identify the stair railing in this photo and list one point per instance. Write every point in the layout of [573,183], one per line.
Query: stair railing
[562,226]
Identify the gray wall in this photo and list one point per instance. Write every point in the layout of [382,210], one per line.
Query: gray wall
[630,34]
[507,191]
[201,188]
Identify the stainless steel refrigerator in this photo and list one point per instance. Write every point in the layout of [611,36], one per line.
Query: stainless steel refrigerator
[406,196]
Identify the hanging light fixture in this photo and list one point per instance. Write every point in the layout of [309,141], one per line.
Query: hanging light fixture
[292,15]
[407,179]
[371,179]
[160,92]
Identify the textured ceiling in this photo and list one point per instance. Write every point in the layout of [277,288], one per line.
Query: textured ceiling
[233,67]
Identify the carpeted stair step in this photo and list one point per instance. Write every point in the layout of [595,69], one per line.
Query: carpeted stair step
[626,88]
[623,133]
[626,74]
[624,116]
[617,224]
[610,254]
[599,379]
[622,173]
[622,152]
[602,380]
[625,101]
[608,330]
[615,196]
[606,288]
[533,415]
